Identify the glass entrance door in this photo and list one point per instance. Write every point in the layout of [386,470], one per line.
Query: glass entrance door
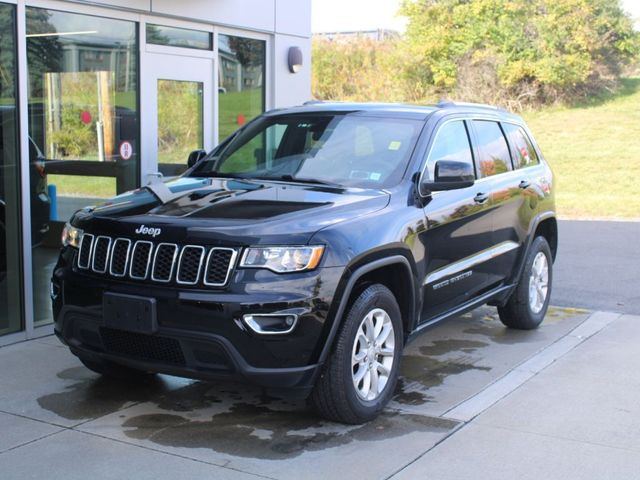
[178,111]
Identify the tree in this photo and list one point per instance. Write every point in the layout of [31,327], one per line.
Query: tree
[525,50]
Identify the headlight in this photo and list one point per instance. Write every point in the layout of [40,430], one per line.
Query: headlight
[283,259]
[71,236]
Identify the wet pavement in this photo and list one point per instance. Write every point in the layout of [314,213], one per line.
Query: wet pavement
[58,418]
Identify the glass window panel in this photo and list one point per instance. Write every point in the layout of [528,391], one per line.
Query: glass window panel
[179,120]
[494,151]
[451,143]
[524,155]
[82,116]
[241,88]
[179,37]
[10,272]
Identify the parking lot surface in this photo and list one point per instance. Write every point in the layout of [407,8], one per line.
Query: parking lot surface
[60,420]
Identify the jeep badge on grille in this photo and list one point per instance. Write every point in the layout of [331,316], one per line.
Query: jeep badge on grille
[143,229]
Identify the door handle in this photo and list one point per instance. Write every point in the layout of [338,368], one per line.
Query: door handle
[524,184]
[481,197]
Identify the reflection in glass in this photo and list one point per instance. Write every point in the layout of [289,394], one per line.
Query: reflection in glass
[179,120]
[241,70]
[179,37]
[10,278]
[83,124]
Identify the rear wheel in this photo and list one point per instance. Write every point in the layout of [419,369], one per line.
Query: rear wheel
[361,373]
[114,370]
[528,303]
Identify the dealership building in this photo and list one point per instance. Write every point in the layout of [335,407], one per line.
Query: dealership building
[99,97]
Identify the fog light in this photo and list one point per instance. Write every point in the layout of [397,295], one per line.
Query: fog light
[271,323]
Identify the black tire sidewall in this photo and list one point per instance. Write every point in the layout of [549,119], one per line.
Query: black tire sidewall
[538,245]
[375,296]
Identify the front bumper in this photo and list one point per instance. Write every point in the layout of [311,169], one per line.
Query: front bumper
[200,333]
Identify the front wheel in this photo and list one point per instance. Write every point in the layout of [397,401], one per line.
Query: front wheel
[528,303]
[361,373]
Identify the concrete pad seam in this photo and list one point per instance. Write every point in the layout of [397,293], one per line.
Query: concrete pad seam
[172,454]
[15,447]
[486,398]
[456,429]
[35,419]
[558,437]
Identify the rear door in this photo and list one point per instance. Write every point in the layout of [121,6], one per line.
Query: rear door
[458,229]
[506,202]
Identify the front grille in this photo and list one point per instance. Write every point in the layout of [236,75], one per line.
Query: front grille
[140,260]
[120,257]
[101,254]
[217,268]
[167,263]
[86,245]
[190,264]
[141,346]
[163,262]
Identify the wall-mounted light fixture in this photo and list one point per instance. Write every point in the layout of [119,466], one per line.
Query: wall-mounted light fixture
[295,59]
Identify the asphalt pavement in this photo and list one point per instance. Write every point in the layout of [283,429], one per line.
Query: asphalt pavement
[598,266]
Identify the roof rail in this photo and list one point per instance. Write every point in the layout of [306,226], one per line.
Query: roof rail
[450,103]
[313,102]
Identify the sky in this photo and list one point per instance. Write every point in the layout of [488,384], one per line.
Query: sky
[345,15]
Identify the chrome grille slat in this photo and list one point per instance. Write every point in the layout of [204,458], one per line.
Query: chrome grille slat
[164,261]
[161,263]
[100,256]
[188,272]
[86,249]
[119,258]
[140,260]
[215,272]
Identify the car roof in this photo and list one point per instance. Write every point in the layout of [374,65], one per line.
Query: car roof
[419,112]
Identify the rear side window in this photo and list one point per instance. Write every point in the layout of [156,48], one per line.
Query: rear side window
[524,155]
[451,143]
[493,148]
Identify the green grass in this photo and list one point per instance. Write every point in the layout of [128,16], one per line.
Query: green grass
[74,186]
[594,150]
[247,103]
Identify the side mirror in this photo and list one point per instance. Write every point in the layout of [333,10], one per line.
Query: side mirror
[449,175]
[195,157]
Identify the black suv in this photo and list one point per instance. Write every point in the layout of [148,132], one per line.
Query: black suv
[306,250]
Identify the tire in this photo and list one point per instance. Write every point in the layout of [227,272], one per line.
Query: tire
[522,311]
[114,370]
[335,395]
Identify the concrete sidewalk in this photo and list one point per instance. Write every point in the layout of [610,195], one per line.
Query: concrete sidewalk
[579,418]
[475,400]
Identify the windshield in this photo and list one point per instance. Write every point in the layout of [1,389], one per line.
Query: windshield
[349,150]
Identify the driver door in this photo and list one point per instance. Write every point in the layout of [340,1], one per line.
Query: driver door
[459,230]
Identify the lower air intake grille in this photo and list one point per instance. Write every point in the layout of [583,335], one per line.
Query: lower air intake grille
[143,347]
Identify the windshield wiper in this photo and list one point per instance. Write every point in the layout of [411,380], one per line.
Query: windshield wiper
[290,178]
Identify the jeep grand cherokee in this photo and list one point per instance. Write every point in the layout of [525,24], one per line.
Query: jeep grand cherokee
[305,251]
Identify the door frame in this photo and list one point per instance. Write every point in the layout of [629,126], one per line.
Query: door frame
[180,64]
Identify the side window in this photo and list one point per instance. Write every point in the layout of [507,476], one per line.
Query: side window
[451,143]
[524,155]
[494,151]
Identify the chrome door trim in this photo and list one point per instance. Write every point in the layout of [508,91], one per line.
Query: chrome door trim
[470,261]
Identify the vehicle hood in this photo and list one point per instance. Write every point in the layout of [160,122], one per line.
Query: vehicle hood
[232,211]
